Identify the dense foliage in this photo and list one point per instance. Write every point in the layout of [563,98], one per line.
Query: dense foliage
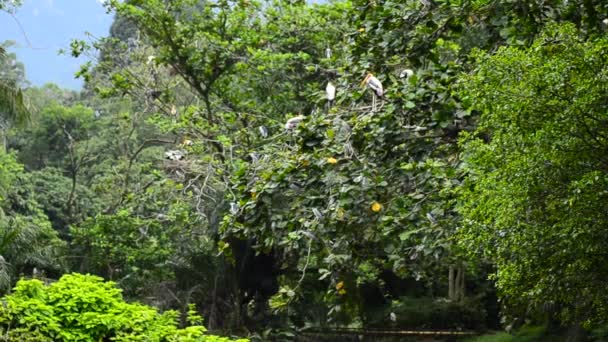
[534,198]
[84,308]
[173,172]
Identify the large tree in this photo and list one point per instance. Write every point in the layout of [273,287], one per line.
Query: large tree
[13,108]
[27,240]
[534,200]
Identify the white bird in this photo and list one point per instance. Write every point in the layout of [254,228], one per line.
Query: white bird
[331,94]
[263,131]
[406,73]
[375,85]
[175,155]
[331,91]
[234,208]
[293,122]
[393,317]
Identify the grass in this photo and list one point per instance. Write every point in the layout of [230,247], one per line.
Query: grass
[525,334]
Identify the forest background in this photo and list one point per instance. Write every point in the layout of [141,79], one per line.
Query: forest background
[470,196]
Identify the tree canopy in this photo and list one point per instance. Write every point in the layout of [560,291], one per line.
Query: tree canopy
[532,202]
[233,156]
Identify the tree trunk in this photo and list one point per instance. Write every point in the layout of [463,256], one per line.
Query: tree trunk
[461,291]
[213,312]
[451,283]
[3,132]
[456,285]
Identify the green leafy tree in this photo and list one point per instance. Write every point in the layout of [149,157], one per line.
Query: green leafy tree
[9,5]
[27,240]
[351,202]
[85,308]
[48,94]
[226,52]
[536,173]
[13,107]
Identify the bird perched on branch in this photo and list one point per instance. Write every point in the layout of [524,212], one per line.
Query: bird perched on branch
[293,122]
[175,155]
[331,94]
[406,73]
[263,131]
[375,85]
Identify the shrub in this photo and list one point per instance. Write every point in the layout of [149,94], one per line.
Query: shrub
[85,308]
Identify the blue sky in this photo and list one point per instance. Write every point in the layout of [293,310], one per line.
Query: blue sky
[49,26]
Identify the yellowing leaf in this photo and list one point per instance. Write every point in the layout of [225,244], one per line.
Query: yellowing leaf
[340,213]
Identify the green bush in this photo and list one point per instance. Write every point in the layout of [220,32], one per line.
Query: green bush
[85,308]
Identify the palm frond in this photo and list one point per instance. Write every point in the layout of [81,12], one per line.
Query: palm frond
[12,103]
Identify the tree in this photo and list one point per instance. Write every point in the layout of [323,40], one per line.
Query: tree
[27,240]
[225,51]
[349,203]
[9,5]
[13,108]
[536,173]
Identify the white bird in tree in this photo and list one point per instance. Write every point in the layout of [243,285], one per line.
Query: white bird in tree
[293,122]
[331,93]
[234,208]
[406,73]
[263,131]
[175,155]
[375,85]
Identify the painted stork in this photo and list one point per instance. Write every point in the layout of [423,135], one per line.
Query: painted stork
[234,208]
[375,85]
[406,73]
[263,131]
[175,155]
[331,94]
[293,122]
